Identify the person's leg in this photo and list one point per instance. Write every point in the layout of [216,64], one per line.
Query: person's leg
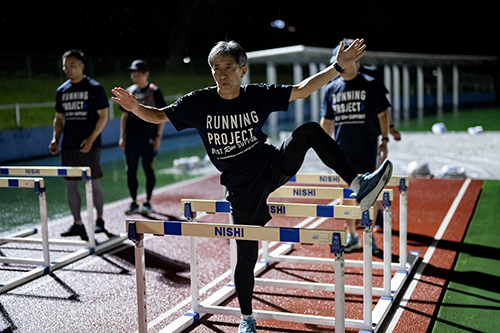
[98,197]
[74,199]
[311,135]
[75,203]
[132,163]
[147,164]
[243,274]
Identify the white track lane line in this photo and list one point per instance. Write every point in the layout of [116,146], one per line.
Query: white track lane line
[427,257]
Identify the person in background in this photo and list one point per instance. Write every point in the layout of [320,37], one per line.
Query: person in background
[81,114]
[355,111]
[140,139]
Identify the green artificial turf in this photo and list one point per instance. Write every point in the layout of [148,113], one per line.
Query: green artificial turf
[472,300]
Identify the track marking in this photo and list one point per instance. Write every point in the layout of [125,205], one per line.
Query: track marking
[427,257]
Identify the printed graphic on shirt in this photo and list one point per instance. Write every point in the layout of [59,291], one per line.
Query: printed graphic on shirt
[349,107]
[74,104]
[232,135]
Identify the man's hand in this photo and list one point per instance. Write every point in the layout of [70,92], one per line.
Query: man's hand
[86,145]
[395,133]
[128,101]
[54,147]
[347,57]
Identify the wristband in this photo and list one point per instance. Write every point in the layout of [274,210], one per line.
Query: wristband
[392,126]
[338,68]
[385,139]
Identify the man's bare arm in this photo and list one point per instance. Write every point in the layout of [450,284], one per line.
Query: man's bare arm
[130,103]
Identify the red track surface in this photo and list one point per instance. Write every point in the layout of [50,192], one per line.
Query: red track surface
[98,293]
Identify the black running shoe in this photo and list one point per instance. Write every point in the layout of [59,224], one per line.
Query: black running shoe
[76,230]
[99,226]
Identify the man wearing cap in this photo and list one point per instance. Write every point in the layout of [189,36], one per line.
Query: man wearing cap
[355,111]
[140,139]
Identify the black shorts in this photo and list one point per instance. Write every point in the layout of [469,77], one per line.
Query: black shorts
[140,147]
[249,187]
[73,158]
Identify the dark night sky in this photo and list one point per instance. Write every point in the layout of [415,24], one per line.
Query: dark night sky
[190,28]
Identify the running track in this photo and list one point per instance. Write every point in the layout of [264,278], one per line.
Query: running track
[98,293]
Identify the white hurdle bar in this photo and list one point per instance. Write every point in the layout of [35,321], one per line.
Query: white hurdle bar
[401,181]
[39,186]
[47,171]
[312,210]
[341,193]
[335,238]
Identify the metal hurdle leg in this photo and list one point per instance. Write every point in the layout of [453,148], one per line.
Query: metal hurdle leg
[90,210]
[387,245]
[403,227]
[44,225]
[140,275]
[367,271]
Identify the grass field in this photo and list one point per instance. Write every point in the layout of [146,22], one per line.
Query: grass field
[44,90]
[472,299]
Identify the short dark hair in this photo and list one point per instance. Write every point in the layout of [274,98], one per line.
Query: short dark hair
[230,48]
[78,54]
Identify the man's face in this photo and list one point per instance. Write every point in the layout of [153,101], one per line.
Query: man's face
[227,74]
[350,72]
[140,78]
[73,68]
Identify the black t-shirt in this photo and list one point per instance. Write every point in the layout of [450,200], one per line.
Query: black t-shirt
[355,105]
[231,130]
[79,102]
[136,127]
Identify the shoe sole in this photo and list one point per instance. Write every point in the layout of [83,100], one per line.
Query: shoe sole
[372,196]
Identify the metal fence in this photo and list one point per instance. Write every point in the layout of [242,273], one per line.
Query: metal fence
[18,106]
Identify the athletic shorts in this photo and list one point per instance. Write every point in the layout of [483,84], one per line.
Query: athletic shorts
[140,147]
[73,157]
[249,185]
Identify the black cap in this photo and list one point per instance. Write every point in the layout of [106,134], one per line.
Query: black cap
[139,65]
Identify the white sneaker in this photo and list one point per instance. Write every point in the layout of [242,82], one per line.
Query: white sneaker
[352,243]
[370,185]
[248,326]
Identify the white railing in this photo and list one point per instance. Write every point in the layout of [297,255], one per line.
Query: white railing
[18,106]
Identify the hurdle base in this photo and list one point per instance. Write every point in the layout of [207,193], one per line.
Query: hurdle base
[183,322]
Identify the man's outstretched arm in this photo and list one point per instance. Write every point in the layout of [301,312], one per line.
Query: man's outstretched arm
[344,58]
[130,103]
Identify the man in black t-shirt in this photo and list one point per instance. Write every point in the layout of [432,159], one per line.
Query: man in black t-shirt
[81,114]
[229,120]
[138,138]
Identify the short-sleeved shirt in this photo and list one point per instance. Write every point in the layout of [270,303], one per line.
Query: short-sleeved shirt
[136,128]
[79,103]
[231,130]
[354,105]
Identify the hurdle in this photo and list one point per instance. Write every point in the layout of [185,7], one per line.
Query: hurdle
[335,238]
[39,186]
[311,192]
[46,266]
[322,211]
[47,171]
[402,182]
